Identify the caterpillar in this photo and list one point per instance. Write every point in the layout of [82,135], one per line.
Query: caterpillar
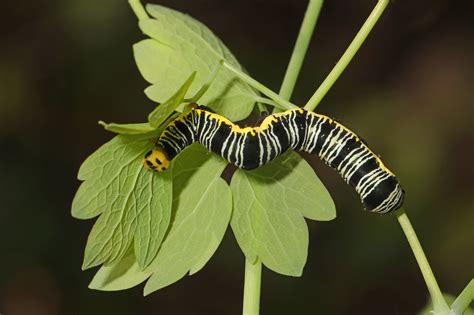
[296,129]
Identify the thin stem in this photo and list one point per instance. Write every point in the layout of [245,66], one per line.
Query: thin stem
[439,304]
[265,100]
[464,299]
[205,87]
[282,103]
[253,272]
[348,55]
[301,46]
[253,275]
[138,9]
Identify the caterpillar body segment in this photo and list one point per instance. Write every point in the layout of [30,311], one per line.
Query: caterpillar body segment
[295,129]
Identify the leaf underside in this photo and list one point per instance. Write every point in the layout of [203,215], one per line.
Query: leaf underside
[269,206]
[180,45]
[200,216]
[132,203]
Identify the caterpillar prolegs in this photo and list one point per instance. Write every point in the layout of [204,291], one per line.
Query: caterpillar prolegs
[295,129]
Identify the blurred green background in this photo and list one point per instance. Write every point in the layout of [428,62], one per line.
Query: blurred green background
[66,64]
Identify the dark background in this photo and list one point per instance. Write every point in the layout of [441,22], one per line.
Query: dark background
[64,64]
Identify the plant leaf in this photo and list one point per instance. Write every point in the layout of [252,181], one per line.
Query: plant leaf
[202,205]
[181,45]
[302,188]
[268,212]
[163,111]
[133,202]
[128,129]
[120,275]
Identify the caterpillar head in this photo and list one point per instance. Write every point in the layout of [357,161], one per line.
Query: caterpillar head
[156,160]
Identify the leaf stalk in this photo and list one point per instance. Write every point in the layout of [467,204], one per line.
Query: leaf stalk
[300,49]
[279,101]
[253,272]
[439,303]
[464,299]
[252,285]
[347,56]
[138,9]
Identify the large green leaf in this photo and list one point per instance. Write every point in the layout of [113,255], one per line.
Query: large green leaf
[181,45]
[202,205]
[201,212]
[133,203]
[269,205]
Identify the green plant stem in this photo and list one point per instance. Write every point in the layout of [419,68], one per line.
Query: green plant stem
[253,272]
[253,275]
[464,299]
[205,87]
[282,103]
[138,9]
[439,304]
[348,55]
[267,101]
[301,46]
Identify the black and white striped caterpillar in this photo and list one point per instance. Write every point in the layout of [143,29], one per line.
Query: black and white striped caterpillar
[296,129]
